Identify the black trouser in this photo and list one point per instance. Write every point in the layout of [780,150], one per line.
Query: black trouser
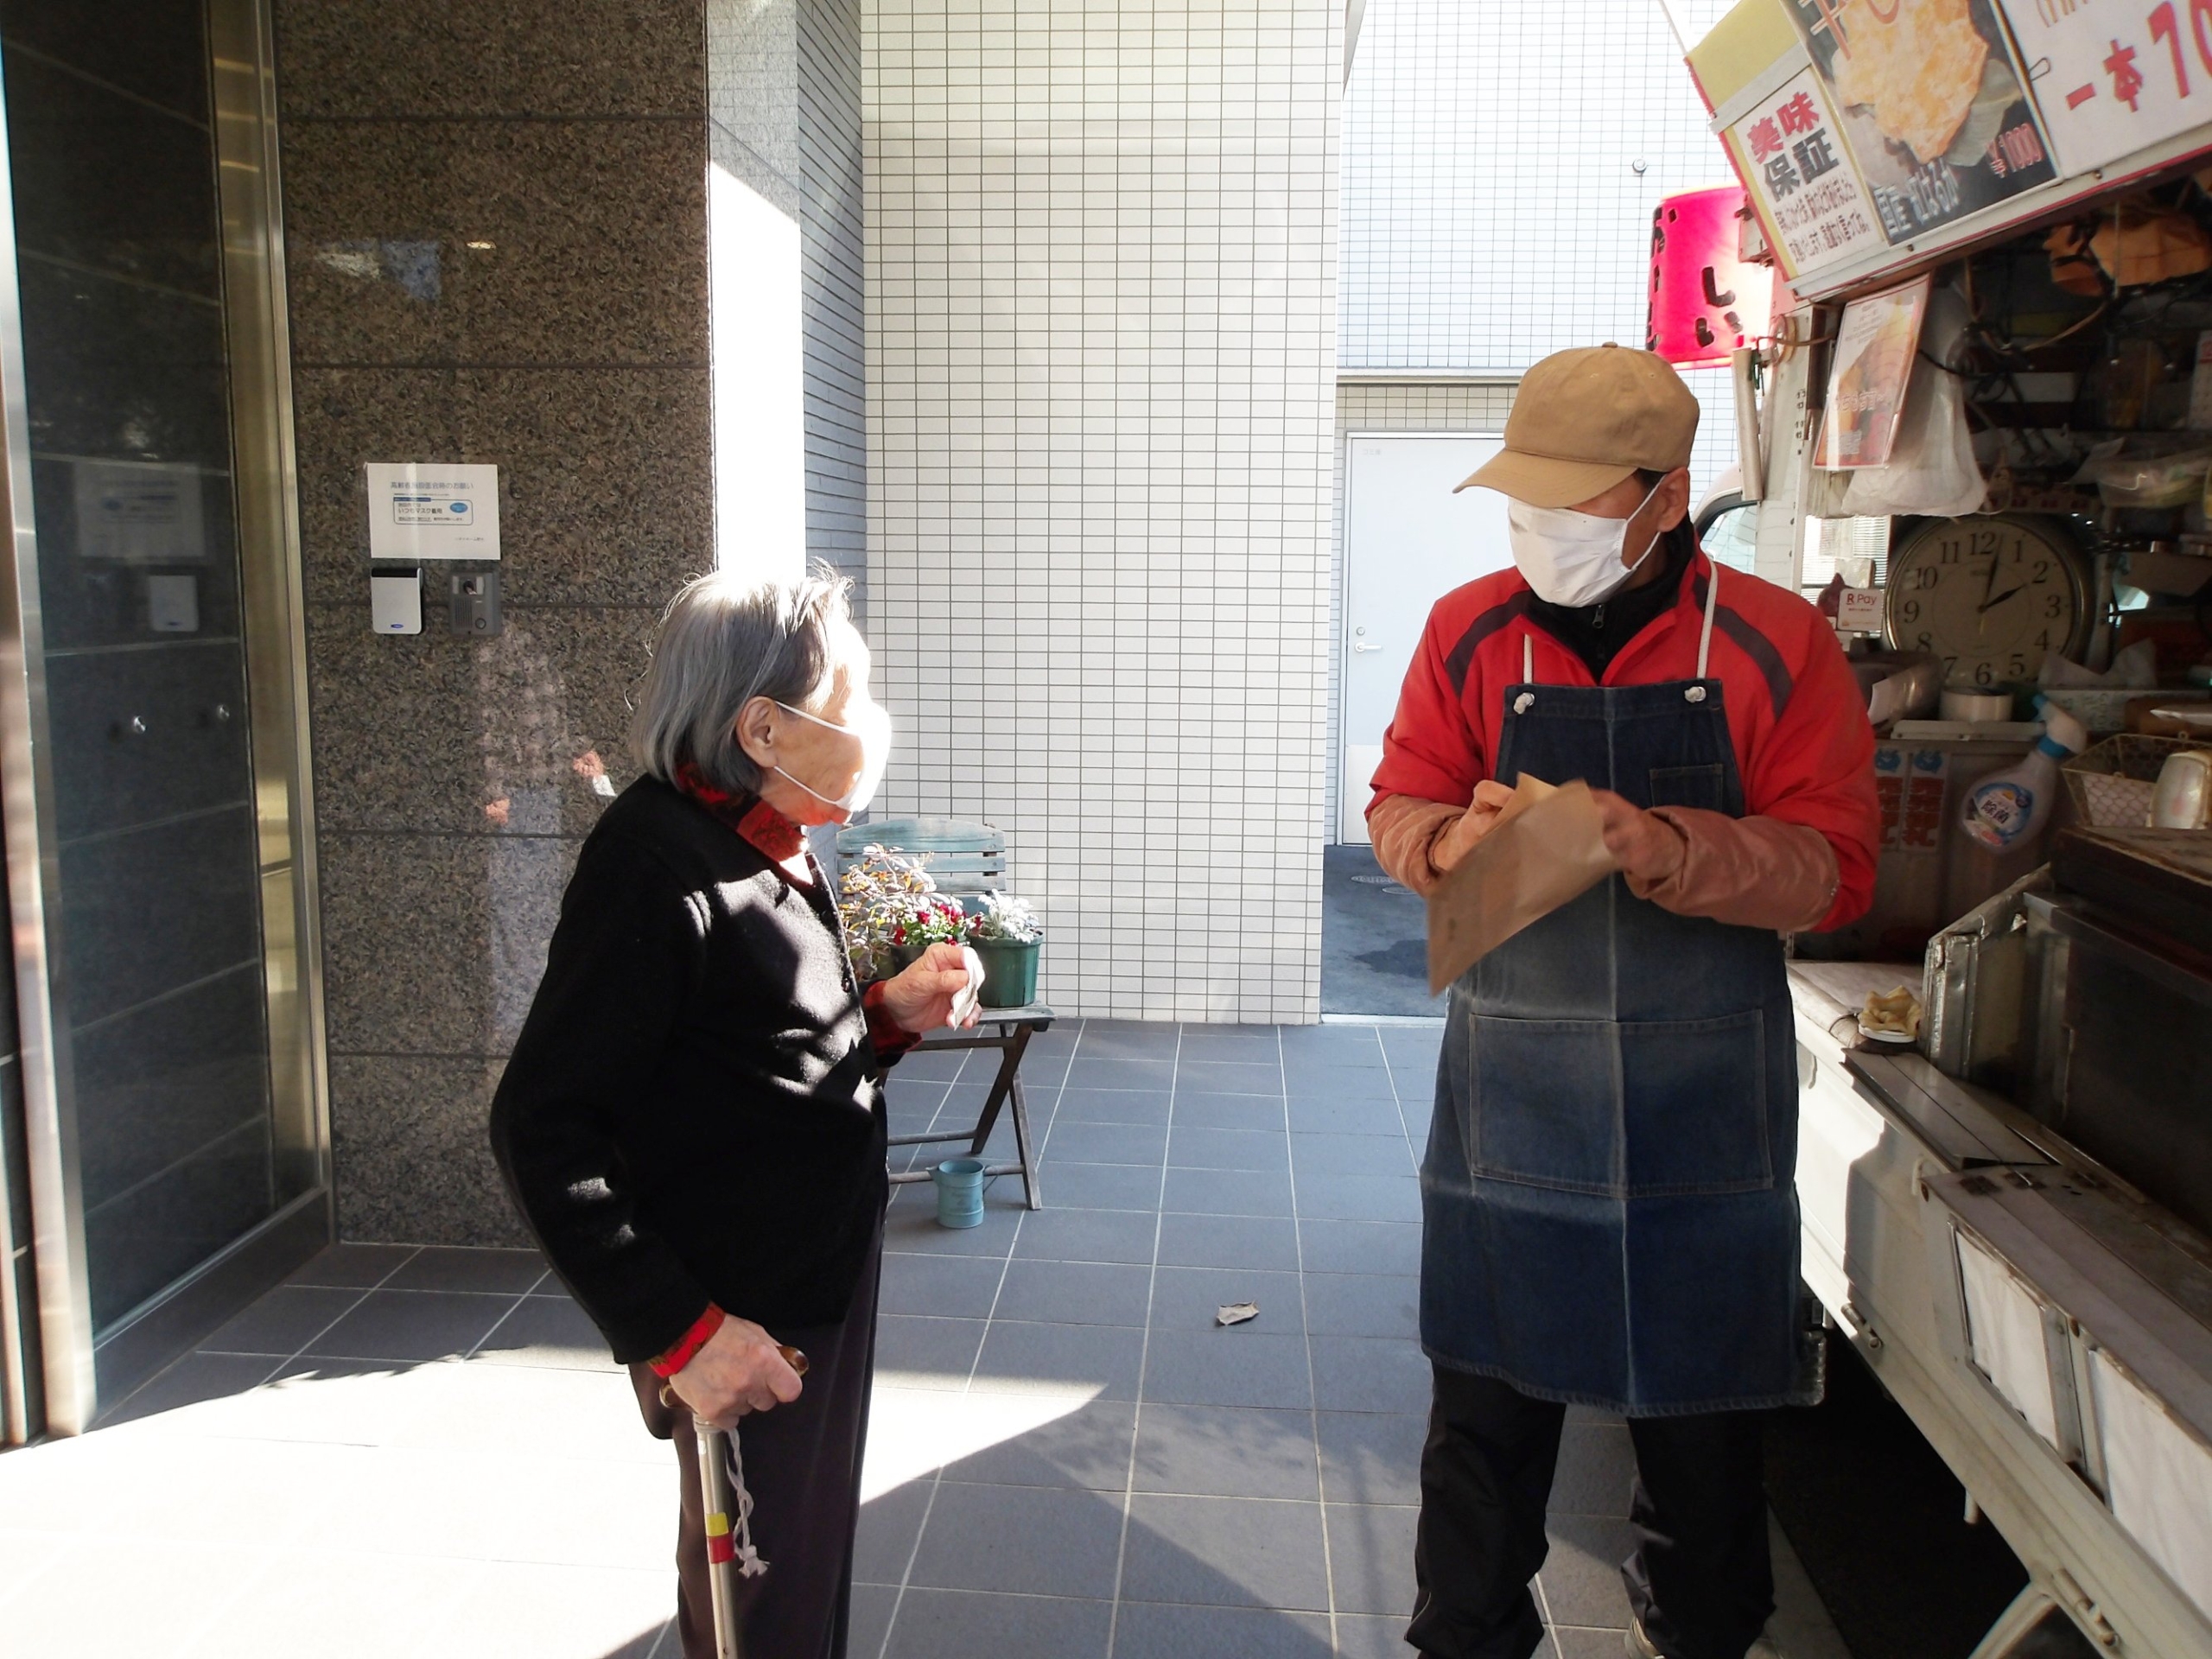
[803,1467]
[1700,1579]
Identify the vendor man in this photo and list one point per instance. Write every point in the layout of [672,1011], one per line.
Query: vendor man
[1609,1218]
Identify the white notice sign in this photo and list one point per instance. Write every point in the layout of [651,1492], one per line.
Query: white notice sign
[433,510]
[1789,154]
[2110,78]
[139,512]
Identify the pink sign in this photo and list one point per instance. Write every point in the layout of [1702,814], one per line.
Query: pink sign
[1705,301]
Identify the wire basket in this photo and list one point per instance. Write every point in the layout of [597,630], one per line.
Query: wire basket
[2111,782]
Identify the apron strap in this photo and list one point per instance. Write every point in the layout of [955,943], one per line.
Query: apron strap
[1711,604]
[1528,658]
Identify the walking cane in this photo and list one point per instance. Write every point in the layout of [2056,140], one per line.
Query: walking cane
[730,1553]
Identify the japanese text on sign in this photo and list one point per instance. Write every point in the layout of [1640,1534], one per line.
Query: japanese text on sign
[1792,160]
[421,510]
[2111,78]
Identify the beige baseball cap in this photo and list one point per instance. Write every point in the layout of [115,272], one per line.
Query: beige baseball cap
[1585,419]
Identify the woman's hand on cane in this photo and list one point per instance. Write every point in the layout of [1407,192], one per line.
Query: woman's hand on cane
[739,1370]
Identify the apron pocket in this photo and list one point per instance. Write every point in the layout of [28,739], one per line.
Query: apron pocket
[1700,786]
[1624,1109]
[1695,1117]
[1539,1106]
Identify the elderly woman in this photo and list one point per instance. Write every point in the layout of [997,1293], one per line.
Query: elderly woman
[692,1119]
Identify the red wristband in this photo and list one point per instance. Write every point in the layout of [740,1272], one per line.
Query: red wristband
[688,1344]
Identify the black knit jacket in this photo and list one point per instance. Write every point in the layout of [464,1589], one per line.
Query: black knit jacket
[692,1110]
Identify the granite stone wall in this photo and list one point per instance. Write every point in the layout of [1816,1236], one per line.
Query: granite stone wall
[497,252]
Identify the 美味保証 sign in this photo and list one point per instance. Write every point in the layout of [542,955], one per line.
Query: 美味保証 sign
[1791,158]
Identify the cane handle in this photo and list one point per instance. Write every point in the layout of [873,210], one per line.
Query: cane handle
[793,1358]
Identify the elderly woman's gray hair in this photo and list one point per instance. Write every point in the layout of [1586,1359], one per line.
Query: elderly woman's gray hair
[725,640]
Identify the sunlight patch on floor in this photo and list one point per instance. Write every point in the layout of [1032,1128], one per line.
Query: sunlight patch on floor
[914,1431]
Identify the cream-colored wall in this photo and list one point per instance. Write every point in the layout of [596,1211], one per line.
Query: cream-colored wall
[1389,406]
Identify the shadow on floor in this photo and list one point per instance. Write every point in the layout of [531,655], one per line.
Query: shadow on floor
[1374,932]
[1880,1523]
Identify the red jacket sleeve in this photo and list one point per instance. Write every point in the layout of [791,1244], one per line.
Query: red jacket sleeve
[1429,751]
[1816,768]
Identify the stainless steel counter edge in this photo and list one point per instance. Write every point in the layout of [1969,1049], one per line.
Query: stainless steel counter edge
[1962,1124]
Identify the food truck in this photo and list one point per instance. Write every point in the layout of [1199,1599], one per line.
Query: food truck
[1965,292]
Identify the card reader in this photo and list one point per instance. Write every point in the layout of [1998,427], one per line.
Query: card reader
[396,600]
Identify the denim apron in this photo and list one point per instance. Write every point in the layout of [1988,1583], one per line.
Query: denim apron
[1609,1213]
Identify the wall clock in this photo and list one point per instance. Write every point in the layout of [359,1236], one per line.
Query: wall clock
[1992,596]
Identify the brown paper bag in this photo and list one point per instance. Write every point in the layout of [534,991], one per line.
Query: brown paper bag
[1547,847]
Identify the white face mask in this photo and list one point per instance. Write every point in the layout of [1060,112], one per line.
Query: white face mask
[871,729]
[1572,558]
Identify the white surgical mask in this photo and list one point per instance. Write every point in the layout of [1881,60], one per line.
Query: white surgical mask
[1571,558]
[871,728]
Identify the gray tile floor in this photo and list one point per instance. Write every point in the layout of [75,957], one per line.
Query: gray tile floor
[1254,1485]
[429,1451]
[1374,933]
[1227,1491]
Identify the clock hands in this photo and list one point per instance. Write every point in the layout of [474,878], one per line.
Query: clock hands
[2019,587]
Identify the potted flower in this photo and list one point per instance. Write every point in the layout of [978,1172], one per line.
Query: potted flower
[934,920]
[892,912]
[1007,935]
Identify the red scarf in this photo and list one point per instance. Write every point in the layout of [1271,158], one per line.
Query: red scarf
[775,836]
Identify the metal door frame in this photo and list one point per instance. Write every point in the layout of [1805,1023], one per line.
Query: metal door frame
[264,474]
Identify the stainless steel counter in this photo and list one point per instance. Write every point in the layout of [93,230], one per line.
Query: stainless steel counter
[2047,1329]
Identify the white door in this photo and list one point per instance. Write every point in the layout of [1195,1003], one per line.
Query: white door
[1409,541]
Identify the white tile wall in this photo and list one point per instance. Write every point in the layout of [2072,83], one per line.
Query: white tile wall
[1100,349]
[1493,208]
[1492,211]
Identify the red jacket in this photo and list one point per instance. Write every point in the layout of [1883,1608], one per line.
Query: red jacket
[1795,709]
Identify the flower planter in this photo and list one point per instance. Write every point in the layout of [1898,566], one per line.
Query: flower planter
[1010,971]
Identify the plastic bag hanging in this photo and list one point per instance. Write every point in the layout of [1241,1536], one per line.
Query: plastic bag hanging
[1931,468]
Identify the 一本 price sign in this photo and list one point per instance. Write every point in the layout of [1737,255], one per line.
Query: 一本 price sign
[2113,76]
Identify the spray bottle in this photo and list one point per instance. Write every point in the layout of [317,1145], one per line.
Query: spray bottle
[2012,806]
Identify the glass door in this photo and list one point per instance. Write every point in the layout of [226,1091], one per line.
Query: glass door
[173,1118]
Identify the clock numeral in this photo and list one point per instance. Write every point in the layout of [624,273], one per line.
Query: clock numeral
[1909,611]
[1927,640]
[2043,640]
[2042,572]
[1950,664]
[2053,606]
[1950,552]
[1985,673]
[1928,575]
[2016,666]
